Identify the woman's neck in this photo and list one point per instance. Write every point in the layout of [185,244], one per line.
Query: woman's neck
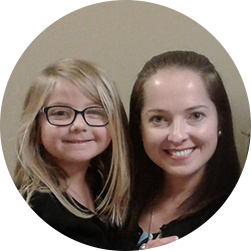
[181,186]
[167,208]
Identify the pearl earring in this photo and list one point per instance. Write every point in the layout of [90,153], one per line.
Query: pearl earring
[219,133]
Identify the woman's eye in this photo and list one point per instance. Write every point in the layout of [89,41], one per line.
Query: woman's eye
[158,120]
[197,116]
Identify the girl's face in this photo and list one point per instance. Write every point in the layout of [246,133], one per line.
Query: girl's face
[78,143]
[178,122]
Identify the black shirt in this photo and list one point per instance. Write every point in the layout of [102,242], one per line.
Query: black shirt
[210,229]
[50,227]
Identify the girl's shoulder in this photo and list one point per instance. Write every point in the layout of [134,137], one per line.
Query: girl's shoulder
[47,219]
[44,204]
[48,208]
[15,219]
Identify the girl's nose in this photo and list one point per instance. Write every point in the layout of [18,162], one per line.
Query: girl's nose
[79,124]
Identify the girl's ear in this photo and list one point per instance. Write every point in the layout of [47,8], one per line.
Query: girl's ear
[37,130]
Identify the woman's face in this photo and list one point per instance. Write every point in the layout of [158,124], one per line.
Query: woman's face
[179,122]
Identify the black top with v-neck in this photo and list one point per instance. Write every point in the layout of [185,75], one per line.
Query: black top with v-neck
[49,226]
[210,229]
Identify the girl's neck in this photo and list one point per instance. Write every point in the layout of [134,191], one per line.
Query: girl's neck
[78,186]
[74,170]
[77,174]
[82,194]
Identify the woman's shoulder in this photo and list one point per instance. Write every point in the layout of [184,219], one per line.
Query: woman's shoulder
[237,194]
[239,190]
[233,199]
[231,204]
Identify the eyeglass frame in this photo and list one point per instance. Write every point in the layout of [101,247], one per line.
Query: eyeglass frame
[76,112]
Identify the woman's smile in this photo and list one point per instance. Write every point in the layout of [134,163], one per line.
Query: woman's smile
[180,153]
[179,122]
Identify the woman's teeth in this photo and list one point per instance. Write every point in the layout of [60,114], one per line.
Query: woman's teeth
[181,153]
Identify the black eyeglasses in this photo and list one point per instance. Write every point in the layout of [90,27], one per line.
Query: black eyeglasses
[65,115]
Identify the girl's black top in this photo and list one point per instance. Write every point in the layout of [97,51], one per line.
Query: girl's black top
[49,226]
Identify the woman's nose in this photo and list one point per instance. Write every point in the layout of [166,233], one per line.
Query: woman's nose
[177,132]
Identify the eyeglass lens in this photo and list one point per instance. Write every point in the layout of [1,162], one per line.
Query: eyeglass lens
[95,116]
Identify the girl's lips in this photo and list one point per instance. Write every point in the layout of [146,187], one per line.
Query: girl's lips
[76,141]
[180,153]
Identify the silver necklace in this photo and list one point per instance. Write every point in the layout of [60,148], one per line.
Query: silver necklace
[150,235]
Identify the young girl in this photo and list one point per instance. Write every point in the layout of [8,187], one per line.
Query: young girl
[72,152]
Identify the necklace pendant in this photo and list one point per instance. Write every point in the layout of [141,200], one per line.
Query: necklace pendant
[142,247]
[150,236]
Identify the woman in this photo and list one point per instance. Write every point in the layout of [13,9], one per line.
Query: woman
[186,164]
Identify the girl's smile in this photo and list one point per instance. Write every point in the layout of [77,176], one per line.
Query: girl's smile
[76,143]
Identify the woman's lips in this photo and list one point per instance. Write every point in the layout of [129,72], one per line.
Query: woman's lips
[180,152]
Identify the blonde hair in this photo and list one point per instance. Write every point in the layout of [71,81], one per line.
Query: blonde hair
[35,174]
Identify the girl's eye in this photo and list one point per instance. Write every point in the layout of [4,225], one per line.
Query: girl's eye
[59,113]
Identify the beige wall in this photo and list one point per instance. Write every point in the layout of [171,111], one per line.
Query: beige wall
[120,37]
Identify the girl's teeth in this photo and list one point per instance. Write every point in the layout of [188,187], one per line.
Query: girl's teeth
[181,153]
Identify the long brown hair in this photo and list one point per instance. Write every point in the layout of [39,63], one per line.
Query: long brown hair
[223,169]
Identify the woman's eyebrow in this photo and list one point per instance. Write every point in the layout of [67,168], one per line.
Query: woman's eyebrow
[156,110]
[197,107]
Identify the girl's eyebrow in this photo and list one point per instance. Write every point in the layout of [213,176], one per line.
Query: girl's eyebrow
[60,103]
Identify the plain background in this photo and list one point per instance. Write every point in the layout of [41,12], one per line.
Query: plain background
[121,37]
